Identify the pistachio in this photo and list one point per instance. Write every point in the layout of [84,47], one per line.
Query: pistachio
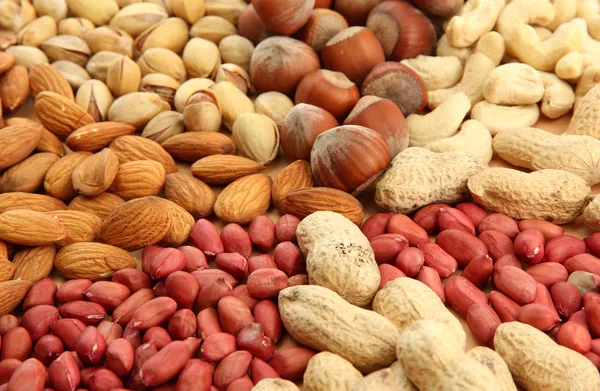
[125,3]
[234,74]
[163,126]
[16,14]
[257,137]
[171,33]
[95,98]
[75,74]
[162,85]
[164,4]
[147,105]
[57,9]
[188,10]
[68,48]
[231,101]
[159,60]
[37,31]
[201,113]
[99,12]
[98,64]
[7,39]
[27,56]
[188,88]
[136,18]
[236,49]
[110,39]
[274,105]
[228,9]
[201,58]
[75,26]
[123,76]
[213,28]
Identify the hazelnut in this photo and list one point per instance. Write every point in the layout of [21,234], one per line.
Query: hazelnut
[403,31]
[201,113]
[323,3]
[354,52]
[274,105]
[443,8]
[349,158]
[398,83]
[280,63]
[236,75]
[213,28]
[329,90]
[322,25]
[355,11]
[283,17]
[303,124]
[236,49]
[384,117]
[251,27]
[257,137]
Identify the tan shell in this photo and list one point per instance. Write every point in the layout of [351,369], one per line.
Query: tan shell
[591,214]
[552,195]
[94,261]
[388,379]
[275,385]
[330,372]
[496,364]
[586,119]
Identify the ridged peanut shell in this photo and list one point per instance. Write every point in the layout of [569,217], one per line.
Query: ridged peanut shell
[94,261]
[33,263]
[551,195]
[223,169]
[94,137]
[244,199]
[130,148]
[29,201]
[591,214]
[328,371]
[11,294]
[80,226]
[18,141]
[58,181]
[585,119]
[30,228]
[496,364]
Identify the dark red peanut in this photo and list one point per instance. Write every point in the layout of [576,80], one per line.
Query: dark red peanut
[196,376]
[266,283]
[263,261]
[236,240]
[182,324]
[208,276]
[123,313]
[108,294]
[266,314]
[218,346]
[68,330]
[48,348]
[148,255]
[153,313]
[431,278]
[529,246]
[30,376]
[298,279]
[166,364]
[427,217]
[160,289]
[194,258]
[193,345]
[542,296]
[85,311]
[538,315]
[288,258]
[241,292]
[110,330]
[133,336]
[141,355]
[592,242]
[575,334]
[159,335]
[461,294]
[37,320]
[594,358]
[261,370]
[389,273]
[583,262]
[515,283]
[461,245]
[548,273]
[475,212]
[8,367]
[410,261]
[483,322]
[234,315]
[592,313]
[208,323]
[566,297]
[42,292]
[63,373]
[231,368]
[479,271]
[285,229]
[497,243]
[291,363]
[133,279]
[376,225]
[17,344]
[549,229]
[91,346]
[207,238]
[500,222]
[253,339]
[233,263]
[438,259]
[262,232]
[104,379]
[165,262]
[451,218]
[119,357]
[508,260]
[561,248]
[8,322]
[72,290]
[183,288]
[386,247]
[505,307]
[210,295]
[403,225]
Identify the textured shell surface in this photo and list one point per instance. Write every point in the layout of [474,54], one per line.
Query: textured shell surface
[325,226]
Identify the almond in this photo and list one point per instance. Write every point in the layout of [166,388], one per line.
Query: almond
[94,137]
[96,173]
[18,141]
[14,88]
[244,199]
[137,224]
[191,146]
[36,202]
[30,228]
[181,228]
[80,226]
[60,115]
[33,263]
[59,178]
[7,269]
[6,61]
[28,175]
[101,205]
[138,179]
[50,143]
[295,176]
[45,77]
[130,148]
[223,169]
[93,261]
[190,193]
[11,294]
[303,202]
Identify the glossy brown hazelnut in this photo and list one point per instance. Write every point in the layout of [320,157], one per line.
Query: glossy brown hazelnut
[403,31]
[355,11]
[384,117]
[443,8]
[349,158]
[280,63]
[283,17]
[329,90]
[354,52]
[322,25]
[250,26]
[303,124]
[398,83]
[323,3]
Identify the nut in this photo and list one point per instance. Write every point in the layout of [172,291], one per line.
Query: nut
[123,76]
[138,179]
[436,72]
[498,118]
[513,84]
[171,33]
[148,106]
[162,85]
[231,102]
[95,173]
[44,77]
[262,234]
[108,38]
[37,31]
[320,27]
[295,176]
[223,169]
[274,105]
[244,199]
[305,201]
[529,246]
[332,91]
[98,64]
[160,60]
[201,113]
[462,294]
[68,48]
[213,28]
[137,17]
[327,370]
[27,56]
[191,146]
[474,20]
[251,27]
[94,137]
[28,175]
[98,13]
[163,126]
[95,98]
[75,26]
[283,17]
[14,88]
[257,137]
[16,14]
[479,142]
[234,74]
[130,148]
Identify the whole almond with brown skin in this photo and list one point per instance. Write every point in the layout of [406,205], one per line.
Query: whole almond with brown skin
[34,263]
[101,205]
[28,175]
[191,146]
[59,178]
[28,201]
[29,228]
[45,77]
[130,148]
[138,179]
[303,202]
[80,226]
[96,173]
[137,224]
[60,115]
[181,228]
[7,268]
[94,137]
[94,261]
[6,62]
[297,175]
[50,143]
[244,199]
[4,250]
[18,141]
[190,193]
[14,88]
[223,169]
[11,294]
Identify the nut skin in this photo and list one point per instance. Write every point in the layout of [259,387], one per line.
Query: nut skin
[355,12]
[322,25]
[283,17]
